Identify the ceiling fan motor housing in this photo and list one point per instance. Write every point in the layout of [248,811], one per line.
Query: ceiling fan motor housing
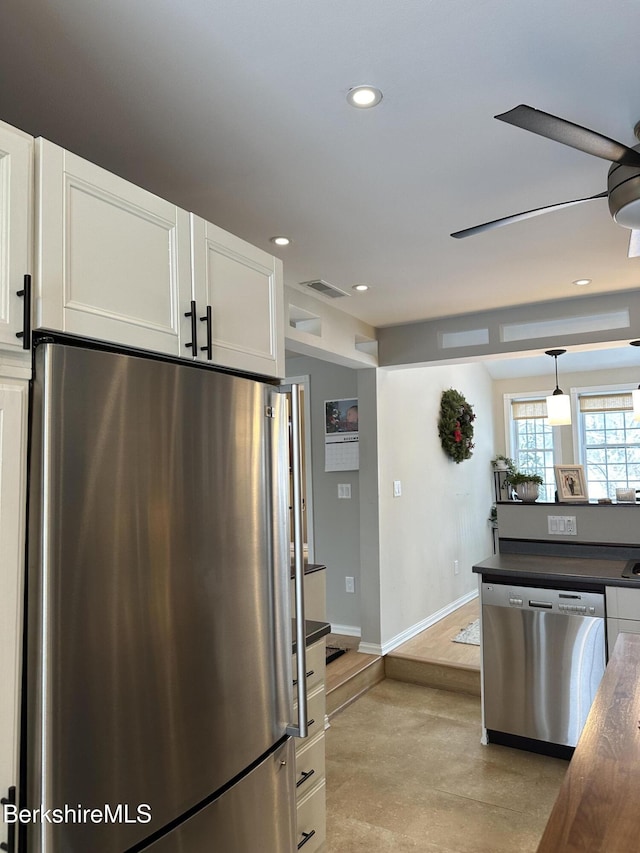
[623,184]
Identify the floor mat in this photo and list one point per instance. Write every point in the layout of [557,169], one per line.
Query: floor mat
[470,634]
[334,652]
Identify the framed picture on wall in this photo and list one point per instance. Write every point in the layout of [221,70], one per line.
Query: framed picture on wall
[571,484]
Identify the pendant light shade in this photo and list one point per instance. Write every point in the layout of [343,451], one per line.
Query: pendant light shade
[558,403]
[636,394]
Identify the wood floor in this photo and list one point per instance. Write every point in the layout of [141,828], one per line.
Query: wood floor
[431,658]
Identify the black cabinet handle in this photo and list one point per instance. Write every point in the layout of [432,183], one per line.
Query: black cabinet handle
[209,321]
[193,343]
[305,837]
[25,334]
[309,674]
[304,775]
[10,844]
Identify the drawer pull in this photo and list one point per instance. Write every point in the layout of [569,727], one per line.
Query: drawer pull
[9,844]
[304,775]
[305,837]
[209,321]
[25,293]
[193,343]
[309,674]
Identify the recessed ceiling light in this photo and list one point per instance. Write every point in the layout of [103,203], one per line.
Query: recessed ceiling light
[280,241]
[360,287]
[364,97]
[582,281]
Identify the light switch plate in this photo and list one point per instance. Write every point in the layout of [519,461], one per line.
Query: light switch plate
[344,491]
[397,488]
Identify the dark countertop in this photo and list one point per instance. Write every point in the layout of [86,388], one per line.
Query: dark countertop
[309,568]
[556,568]
[314,631]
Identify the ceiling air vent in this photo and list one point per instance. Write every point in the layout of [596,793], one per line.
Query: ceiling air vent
[325,288]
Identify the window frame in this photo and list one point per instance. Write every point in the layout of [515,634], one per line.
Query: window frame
[509,424]
[576,415]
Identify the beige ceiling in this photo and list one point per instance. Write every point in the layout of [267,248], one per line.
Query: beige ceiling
[236,109]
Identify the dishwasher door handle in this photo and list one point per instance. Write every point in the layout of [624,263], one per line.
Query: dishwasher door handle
[546,605]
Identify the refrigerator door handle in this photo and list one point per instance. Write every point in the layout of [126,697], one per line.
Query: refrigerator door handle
[301,728]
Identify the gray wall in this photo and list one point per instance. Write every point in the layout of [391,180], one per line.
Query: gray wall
[336,522]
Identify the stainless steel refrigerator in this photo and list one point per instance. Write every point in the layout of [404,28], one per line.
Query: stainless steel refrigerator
[158,627]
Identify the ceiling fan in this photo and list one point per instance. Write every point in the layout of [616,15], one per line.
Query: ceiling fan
[623,181]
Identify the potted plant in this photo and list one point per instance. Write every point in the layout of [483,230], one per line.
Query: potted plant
[503,463]
[526,486]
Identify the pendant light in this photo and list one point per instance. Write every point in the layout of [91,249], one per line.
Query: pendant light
[558,403]
[636,394]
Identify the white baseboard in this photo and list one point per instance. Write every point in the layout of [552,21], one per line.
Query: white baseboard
[402,637]
[346,630]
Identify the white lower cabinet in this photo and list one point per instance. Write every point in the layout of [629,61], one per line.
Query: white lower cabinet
[623,613]
[14,395]
[310,759]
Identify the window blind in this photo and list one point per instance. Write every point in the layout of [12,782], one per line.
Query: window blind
[521,409]
[621,402]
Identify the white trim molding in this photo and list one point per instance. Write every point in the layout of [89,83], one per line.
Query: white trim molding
[409,633]
[346,630]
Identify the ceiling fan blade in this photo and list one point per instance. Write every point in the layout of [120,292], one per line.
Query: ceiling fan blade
[517,217]
[561,130]
[634,244]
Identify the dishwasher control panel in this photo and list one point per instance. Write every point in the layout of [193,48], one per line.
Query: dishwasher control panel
[563,602]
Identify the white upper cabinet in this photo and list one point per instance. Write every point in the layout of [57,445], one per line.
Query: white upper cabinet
[113,260]
[243,288]
[16,205]
[118,264]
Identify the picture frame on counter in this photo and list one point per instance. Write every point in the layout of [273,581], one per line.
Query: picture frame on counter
[571,483]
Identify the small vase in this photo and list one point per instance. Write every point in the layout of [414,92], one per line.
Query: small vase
[527,492]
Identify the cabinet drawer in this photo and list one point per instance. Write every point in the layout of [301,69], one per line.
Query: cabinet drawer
[615,626]
[316,655]
[623,602]
[312,821]
[310,766]
[315,717]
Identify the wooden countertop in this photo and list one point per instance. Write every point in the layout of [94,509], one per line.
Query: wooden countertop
[599,802]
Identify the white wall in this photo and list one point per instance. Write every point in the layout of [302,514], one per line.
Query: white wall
[442,514]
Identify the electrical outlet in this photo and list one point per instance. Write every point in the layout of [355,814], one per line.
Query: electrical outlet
[562,525]
[456,567]
[350,584]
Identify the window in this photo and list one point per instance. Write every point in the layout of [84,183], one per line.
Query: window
[610,443]
[532,443]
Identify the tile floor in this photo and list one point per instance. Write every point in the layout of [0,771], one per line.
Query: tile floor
[406,772]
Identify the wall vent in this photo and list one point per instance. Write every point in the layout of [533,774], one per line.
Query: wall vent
[321,286]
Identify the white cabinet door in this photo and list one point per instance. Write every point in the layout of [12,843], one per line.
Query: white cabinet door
[13,455]
[16,204]
[113,259]
[243,286]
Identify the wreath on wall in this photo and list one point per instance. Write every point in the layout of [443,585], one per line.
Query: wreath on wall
[455,426]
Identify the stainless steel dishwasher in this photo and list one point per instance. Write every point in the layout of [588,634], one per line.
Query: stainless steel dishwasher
[543,655]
